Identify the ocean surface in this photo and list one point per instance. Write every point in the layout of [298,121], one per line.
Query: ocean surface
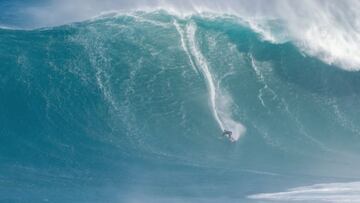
[131,107]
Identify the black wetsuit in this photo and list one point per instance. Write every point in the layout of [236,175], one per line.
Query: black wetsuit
[227,132]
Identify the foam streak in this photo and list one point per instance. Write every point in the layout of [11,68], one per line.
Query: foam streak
[222,117]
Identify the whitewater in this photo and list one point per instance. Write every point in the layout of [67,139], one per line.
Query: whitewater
[131,105]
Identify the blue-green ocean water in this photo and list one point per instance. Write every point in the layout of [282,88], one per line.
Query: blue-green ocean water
[119,109]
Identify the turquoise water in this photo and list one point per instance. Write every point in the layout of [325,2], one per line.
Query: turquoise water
[131,108]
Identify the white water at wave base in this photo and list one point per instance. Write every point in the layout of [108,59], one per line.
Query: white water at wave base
[331,192]
[219,102]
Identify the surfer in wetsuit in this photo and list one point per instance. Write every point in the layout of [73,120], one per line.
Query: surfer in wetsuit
[227,133]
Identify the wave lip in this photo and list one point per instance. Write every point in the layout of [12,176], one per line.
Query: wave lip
[330,192]
[328,30]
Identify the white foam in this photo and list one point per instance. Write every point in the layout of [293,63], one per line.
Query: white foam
[202,64]
[219,102]
[261,79]
[329,30]
[331,192]
[183,44]
[265,30]
[5,27]
[99,61]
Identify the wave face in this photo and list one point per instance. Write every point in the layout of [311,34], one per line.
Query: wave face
[131,108]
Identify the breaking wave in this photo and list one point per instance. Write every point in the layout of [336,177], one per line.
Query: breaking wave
[131,107]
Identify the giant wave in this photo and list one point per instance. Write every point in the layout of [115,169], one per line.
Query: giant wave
[130,107]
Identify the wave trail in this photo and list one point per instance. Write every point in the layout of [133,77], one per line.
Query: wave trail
[183,44]
[261,79]
[219,106]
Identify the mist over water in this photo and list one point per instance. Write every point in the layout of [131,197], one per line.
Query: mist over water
[127,101]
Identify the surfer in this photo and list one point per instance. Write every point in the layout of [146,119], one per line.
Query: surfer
[227,133]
